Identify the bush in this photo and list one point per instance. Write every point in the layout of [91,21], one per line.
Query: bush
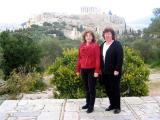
[24,83]
[135,74]
[68,85]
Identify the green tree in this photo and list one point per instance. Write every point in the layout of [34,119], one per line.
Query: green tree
[156,12]
[1,58]
[47,24]
[50,50]
[19,52]
[148,49]
[155,24]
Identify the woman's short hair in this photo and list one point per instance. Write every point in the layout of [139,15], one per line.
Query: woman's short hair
[90,32]
[106,30]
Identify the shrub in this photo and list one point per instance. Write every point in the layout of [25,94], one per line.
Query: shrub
[24,83]
[68,85]
[135,74]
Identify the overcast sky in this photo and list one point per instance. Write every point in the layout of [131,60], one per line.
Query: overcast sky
[18,11]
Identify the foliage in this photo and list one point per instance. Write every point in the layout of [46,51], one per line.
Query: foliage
[18,51]
[135,74]
[148,49]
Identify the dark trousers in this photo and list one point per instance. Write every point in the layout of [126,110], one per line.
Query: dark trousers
[89,84]
[112,86]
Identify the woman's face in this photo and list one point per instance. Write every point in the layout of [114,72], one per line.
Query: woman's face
[108,36]
[88,38]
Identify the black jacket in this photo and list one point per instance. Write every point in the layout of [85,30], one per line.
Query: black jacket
[113,58]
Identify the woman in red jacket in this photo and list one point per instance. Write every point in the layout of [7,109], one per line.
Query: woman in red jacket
[88,64]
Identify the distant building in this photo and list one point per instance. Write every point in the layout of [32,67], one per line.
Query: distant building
[89,10]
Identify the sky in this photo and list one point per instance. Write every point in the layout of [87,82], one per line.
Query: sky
[19,11]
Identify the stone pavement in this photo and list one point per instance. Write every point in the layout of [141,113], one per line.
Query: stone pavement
[133,108]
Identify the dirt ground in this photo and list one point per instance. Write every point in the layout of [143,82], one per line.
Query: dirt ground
[154,88]
[154,84]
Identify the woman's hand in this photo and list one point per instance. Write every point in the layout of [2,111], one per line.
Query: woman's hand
[116,73]
[77,73]
[96,75]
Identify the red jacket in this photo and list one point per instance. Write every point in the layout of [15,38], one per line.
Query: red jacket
[88,57]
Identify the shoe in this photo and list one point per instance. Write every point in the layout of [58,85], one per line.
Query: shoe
[90,110]
[85,107]
[116,111]
[109,108]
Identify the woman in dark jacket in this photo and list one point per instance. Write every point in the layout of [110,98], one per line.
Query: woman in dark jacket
[88,64]
[111,57]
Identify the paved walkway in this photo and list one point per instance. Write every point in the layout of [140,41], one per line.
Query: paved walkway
[133,108]
[154,76]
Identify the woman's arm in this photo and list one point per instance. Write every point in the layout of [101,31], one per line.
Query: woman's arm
[119,57]
[78,65]
[97,54]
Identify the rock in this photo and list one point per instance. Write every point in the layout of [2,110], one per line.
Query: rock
[38,95]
